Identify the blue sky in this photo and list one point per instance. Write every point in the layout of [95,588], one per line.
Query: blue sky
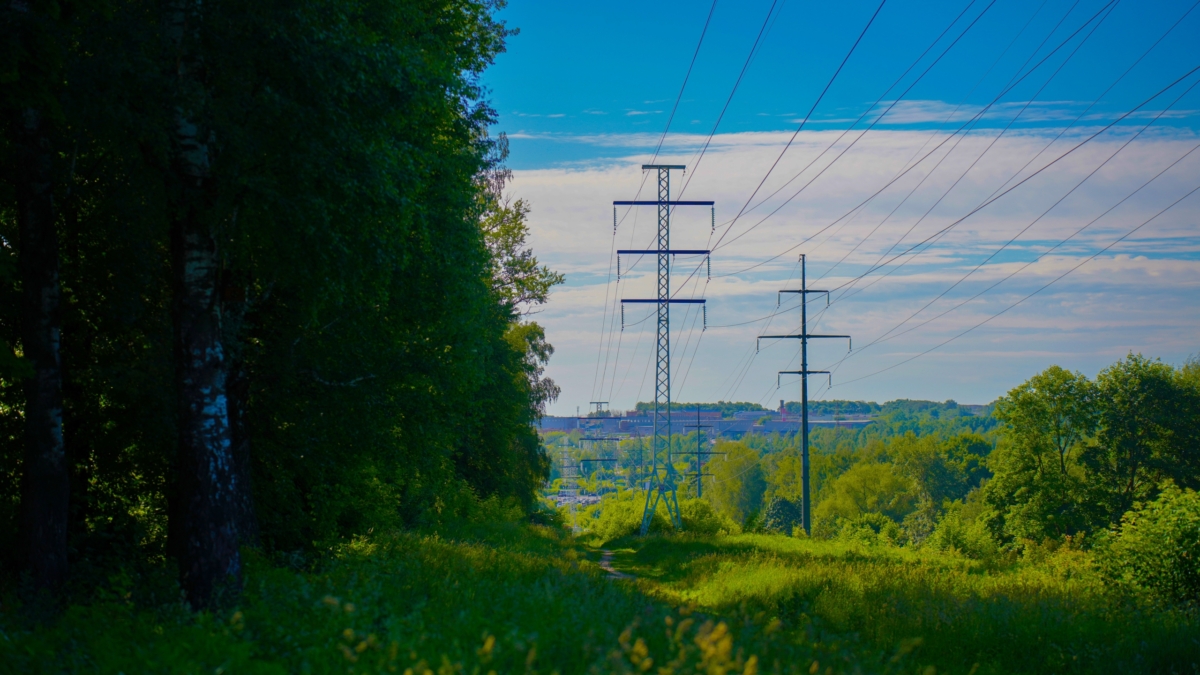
[585,91]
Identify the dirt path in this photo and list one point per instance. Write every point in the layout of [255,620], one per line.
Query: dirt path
[606,557]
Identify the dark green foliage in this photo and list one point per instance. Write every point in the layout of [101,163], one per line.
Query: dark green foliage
[1156,548]
[781,516]
[1144,433]
[1078,454]
[381,374]
[726,408]
[833,408]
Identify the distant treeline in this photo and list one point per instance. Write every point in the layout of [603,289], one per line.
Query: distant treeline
[1061,458]
[829,408]
[726,408]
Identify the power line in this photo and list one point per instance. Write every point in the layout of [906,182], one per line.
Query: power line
[963,136]
[736,84]
[1038,219]
[658,147]
[683,86]
[1047,146]
[806,117]
[865,112]
[1039,290]
[974,118]
[1043,255]
[1023,180]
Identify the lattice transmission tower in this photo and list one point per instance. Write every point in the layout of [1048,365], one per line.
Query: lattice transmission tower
[660,483]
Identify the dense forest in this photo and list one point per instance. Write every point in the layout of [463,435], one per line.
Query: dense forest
[254,258]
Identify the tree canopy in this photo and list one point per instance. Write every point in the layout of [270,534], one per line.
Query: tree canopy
[368,275]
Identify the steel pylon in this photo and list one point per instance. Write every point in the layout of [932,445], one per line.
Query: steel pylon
[660,484]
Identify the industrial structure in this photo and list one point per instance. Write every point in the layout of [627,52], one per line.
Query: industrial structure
[660,484]
[804,336]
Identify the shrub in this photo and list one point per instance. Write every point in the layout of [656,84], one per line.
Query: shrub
[700,518]
[1156,548]
[620,515]
[958,531]
[872,528]
[868,487]
[781,515]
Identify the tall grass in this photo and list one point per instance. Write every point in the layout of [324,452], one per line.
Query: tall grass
[513,598]
[504,598]
[1050,616]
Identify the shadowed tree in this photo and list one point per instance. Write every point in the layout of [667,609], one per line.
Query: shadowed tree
[1142,437]
[204,526]
[1039,485]
[33,34]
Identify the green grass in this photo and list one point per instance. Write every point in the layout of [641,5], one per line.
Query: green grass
[1052,616]
[508,598]
[516,598]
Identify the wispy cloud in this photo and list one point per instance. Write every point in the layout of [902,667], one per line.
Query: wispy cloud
[517,113]
[1141,295]
[632,113]
[925,112]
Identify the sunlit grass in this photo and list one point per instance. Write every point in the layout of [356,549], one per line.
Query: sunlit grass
[507,597]
[1052,616]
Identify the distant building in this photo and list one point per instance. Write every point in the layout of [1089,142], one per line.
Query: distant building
[740,425]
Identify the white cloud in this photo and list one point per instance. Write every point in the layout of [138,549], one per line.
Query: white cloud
[1141,295]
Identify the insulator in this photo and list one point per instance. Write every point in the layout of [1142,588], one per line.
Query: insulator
[618,268]
[708,261]
[622,317]
[714,220]
[705,307]
[614,220]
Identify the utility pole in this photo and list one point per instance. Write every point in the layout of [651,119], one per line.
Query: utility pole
[602,439]
[661,484]
[804,336]
[568,490]
[700,454]
[636,477]
[583,467]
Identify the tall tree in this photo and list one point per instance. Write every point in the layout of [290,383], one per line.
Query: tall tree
[32,76]
[205,517]
[1039,485]
[738,483]
[1141,438]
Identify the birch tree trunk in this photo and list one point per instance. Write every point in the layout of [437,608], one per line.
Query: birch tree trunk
[45,482]
[206,493]
[235,306]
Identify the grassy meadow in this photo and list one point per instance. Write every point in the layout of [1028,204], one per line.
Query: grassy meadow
[1048,613]
[513,597]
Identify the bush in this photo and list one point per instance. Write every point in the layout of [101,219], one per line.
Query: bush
[620,515]
[781,516]
[958,531]
[871,529]
[1156,548]
[700,518]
